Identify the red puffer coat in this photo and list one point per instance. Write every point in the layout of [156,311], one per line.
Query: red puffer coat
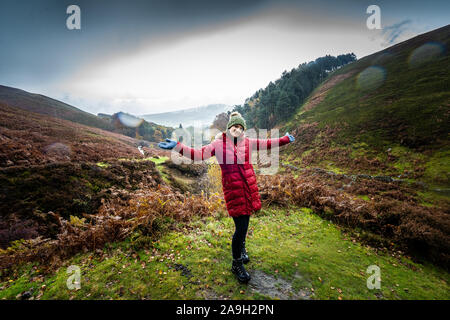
[238,177]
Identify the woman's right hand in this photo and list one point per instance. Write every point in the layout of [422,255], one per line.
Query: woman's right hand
[291,137]
[169,144]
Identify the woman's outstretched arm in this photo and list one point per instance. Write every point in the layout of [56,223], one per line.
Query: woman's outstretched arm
[266,144]
[194,154]
[204,153]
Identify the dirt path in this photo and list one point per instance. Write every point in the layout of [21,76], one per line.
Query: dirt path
[276,288]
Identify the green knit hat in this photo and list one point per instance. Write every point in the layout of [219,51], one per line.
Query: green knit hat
[236,118]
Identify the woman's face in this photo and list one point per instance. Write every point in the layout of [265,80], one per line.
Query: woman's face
[236,130]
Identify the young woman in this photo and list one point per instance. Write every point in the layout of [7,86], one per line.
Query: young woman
[233,152]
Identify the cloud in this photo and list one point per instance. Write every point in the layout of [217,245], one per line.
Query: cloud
[143,56]
[392,32]
[36,44]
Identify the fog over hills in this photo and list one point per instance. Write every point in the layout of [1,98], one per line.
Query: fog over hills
[199,116]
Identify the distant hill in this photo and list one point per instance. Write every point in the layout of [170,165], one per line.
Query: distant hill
[41,104]
[28,138]
[104,116]
[279,100]
[44,105]
[132,126]
[387,113]
[188,117]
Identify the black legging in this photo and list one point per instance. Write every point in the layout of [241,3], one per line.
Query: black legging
[239,235]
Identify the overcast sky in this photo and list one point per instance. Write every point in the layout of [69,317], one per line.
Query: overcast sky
[142,57]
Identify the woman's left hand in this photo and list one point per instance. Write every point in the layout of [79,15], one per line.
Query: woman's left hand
[291,138]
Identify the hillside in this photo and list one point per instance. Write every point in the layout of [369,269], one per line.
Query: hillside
[188,117]
[28,138]
[50,164]
[117,123]
[385,114]
[44,105]
[132,126]
[281,98]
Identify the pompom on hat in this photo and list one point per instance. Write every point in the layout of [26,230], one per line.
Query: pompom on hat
[236,118]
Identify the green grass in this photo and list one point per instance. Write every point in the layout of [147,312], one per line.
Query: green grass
[406,157]
[364,197]
[430,197]
[158,160]
[155,160]
[159,165]
[438,167]
[330,166]
[103,164]
[281,242]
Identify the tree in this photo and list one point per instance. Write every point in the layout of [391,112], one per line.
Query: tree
[283,105]
[280,99]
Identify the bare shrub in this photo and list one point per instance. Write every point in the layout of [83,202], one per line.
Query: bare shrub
[115,220]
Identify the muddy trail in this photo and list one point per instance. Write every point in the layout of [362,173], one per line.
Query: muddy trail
[261,283]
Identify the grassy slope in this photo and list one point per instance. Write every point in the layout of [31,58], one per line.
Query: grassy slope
[283,243]
[408,112]
[43,105]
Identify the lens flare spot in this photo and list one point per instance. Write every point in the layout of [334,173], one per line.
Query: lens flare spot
[427,52]
[58,149]
[371,78]
[128,120]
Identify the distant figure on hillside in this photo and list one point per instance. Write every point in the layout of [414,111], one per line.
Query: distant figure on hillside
[232,150]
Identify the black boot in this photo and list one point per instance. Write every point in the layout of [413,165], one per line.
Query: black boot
[239,270]
[244,255]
